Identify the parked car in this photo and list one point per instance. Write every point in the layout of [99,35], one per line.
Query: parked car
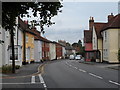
[71,57]
[78,57]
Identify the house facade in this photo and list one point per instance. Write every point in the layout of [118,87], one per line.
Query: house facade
[52,46]
[58,51]
[111,39]
[102,40]
[37,45]
[89,53]
[4,46]
[45,49]
[27,42]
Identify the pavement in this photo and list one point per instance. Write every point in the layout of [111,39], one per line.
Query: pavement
[25,70]
[103,64]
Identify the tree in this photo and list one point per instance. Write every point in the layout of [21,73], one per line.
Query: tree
[119,55]
[11,10]
[79,48]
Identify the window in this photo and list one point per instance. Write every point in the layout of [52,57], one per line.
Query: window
[32,39]
[105,36]
[26,38]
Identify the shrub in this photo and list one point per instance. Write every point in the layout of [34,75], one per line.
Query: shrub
[17,66]
[6,68]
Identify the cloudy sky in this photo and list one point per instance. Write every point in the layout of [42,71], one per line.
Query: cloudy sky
[74,19]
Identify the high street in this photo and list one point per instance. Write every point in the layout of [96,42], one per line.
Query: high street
[64,74]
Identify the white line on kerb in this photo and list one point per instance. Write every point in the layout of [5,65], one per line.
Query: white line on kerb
[95,75]
[33,79]
[114,82]
[82,70]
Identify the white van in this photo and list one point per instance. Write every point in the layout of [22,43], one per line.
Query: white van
[71,57]
[78,57]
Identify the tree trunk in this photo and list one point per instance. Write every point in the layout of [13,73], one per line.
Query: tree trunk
[13,53]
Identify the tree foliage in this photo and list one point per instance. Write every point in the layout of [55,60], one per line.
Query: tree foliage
[46,10]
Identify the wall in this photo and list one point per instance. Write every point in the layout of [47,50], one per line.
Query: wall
[113,45]
[63,52]
[106,46]
[100,48]
[38,50]
[88,46]
[94,40]
[58,51]
[45,51]
[52,51]
[30,47]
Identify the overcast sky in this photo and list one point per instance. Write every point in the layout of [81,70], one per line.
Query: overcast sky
[74,19]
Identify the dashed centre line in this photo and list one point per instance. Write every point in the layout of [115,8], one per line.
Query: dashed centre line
[114,82]
[95,76]
[82,70]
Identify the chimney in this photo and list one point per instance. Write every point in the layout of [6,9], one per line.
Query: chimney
[26,22]
[91,23]
[34,29]
[110,17]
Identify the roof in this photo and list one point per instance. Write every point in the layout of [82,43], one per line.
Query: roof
[87,36]
[114,23]
[24,26]
[98,28]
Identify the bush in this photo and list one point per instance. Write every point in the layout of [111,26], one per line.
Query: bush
[6,68]
[17,66]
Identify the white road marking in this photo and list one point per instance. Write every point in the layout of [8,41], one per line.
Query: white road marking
[70,65]
[33,79]
[44,85]
[41,79]
[82,70]
[75,67]
[114,82]
[95,75]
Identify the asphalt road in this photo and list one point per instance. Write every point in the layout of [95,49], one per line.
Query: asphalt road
[72,74]
[67,74]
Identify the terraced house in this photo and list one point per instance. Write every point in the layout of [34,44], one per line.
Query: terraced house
[111,39]
[28,43]
[102,40]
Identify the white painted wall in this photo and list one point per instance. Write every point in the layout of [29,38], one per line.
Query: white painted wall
[37,50]
[2,47]
[18,42]
[94,39]
[52,51]
[63,52]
